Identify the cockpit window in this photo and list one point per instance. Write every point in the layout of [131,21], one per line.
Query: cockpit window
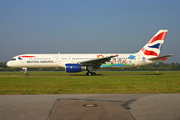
[13,59]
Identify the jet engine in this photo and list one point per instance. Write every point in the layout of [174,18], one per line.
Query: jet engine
[74,68]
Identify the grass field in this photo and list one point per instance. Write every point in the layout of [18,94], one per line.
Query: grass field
[78,83]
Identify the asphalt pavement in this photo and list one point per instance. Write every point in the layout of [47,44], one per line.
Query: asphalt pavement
[90,106]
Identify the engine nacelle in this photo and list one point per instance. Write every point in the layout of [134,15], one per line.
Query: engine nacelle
[74,68]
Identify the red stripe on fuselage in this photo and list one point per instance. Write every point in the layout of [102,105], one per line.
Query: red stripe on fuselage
[27,56]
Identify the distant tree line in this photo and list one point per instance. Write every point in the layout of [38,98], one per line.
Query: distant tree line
[157,66]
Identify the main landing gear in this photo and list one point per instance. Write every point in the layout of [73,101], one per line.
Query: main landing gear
[25,71]
[90,71]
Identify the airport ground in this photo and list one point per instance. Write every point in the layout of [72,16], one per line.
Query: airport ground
[109,106]
[56,104]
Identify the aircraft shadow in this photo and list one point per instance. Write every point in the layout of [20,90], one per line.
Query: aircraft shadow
[85,75]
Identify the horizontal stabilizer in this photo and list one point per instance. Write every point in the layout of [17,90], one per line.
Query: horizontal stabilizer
[161,57]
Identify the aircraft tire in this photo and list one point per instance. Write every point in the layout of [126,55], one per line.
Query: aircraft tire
[93,73]
[90,73]
[26,74]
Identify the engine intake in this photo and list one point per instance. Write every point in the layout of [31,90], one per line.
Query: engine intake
[74,68]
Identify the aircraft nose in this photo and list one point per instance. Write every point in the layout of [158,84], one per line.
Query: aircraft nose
[8,63]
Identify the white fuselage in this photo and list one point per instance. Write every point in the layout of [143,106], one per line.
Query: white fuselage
[59,60]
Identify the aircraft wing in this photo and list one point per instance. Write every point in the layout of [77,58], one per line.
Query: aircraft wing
[97,62]
[161,57]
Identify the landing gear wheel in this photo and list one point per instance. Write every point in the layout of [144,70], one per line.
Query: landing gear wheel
[90,73]
[26,74]
[93,73]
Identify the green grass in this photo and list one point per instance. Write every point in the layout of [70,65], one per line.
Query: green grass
[78,83]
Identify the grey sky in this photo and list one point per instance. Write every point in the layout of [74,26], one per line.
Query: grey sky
[93,26]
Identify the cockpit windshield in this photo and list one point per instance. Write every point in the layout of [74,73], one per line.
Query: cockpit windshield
[13,59]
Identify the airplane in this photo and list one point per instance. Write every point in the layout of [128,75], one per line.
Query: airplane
[86,62]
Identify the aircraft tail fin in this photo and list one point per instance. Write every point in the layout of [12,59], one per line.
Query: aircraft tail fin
[153,47]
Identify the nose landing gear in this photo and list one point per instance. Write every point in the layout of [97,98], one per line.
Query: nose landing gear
[25,71]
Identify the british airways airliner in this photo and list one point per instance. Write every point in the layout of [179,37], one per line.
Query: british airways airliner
[86,62]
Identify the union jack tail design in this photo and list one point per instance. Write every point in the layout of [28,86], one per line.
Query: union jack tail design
[153,47]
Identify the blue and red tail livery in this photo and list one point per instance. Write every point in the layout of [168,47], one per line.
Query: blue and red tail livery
[153,47]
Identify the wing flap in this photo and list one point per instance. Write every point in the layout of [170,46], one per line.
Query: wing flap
[98,61]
